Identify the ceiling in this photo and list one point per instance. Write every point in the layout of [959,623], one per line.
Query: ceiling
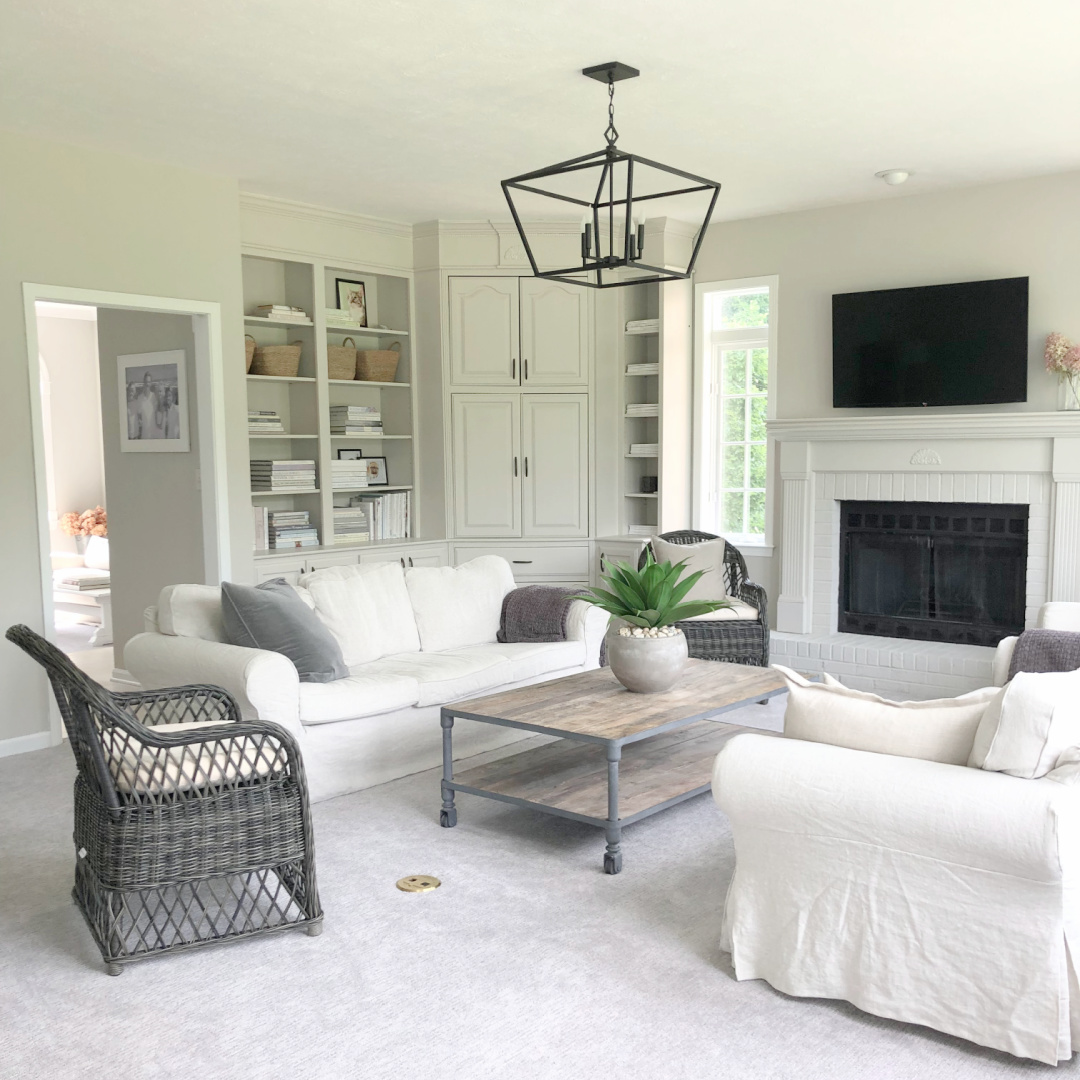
[415,110]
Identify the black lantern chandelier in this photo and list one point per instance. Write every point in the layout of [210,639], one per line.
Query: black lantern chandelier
[613,188]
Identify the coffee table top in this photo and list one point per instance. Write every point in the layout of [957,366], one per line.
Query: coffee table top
[594,706]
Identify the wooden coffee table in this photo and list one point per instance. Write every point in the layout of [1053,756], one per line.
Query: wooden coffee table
[620,756]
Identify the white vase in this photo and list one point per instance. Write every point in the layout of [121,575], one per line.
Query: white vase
[646,665]
[1069,393]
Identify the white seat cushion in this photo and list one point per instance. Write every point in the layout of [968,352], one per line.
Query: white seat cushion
[446,676]
[361,694]
[366,607]
[533,658]
[153,770]
[458,606]
[738,610]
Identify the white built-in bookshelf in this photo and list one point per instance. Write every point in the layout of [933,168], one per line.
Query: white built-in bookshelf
[304,402]
[640,360]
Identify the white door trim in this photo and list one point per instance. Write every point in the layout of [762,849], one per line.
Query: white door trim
[206,324]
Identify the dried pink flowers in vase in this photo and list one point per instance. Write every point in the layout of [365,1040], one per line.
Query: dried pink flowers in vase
[1063,360]
[93,522]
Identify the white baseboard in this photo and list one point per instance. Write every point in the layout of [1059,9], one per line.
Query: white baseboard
[120,674]
[40,740]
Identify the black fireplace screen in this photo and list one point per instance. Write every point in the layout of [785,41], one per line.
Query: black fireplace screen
[933,571]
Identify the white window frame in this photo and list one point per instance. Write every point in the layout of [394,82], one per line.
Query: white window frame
[706,509]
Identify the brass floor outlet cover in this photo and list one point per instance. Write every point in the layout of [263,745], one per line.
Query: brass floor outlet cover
[418,883]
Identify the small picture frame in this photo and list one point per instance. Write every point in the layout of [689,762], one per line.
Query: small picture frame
[153,402]
[352,297]
[377,475]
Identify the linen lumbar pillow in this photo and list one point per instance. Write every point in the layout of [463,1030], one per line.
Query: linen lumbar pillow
[272,616]
[829,712]
[1034,718]
[707,556]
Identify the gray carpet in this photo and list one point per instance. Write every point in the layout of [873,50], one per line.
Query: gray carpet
[528,963]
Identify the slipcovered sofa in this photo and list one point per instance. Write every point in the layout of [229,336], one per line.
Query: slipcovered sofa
[414,640]
[938,894]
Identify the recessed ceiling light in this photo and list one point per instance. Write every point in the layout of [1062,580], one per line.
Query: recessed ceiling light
[892,177]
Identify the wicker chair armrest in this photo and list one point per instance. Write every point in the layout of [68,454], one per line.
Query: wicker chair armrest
[752,593]
[179,705]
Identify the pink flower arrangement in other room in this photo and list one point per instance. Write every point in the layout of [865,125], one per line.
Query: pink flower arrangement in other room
[1063,360]
[88,523]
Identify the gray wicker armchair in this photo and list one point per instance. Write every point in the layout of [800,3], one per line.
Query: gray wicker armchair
[192,826]
[737,641]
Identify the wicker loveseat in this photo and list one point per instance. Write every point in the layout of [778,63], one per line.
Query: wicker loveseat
[735,640]
[191,825]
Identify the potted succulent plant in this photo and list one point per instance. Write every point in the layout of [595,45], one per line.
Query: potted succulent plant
[646,651]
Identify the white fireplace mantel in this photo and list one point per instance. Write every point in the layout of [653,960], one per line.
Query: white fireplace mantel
[1023,457]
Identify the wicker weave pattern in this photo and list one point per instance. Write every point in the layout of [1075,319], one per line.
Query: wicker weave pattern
[182,837]
[735,641]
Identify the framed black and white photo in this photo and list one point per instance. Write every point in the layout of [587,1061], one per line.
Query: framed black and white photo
[352,297]
[377,476]
[153,402]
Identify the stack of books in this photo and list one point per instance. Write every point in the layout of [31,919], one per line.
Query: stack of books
[283,477]
[643,326]
[646,409]
[352,525]
[644,449]
[262,528]
[355,420]
[390,514]
[340,317]
[643,369]
[264,422]
[348,475]
[282,313]
[291,529]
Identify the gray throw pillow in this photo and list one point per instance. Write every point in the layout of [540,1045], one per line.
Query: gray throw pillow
[271,616]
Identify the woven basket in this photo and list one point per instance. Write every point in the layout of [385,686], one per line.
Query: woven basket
[281,360]
[249,351]
[378,365]
[342,360]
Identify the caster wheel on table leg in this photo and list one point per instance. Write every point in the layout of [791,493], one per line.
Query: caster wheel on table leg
[613,863]
[114,969]
[448,819]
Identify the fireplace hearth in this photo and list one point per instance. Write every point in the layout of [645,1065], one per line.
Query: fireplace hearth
[949,572]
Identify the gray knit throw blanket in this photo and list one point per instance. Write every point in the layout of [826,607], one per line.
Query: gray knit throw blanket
[535,613]
[1046,650]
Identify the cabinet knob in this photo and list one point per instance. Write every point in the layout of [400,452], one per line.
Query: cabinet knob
[522,562]
[410,560]
[515,465]
[402,561]
[513,367]
[526,464]
[526,363]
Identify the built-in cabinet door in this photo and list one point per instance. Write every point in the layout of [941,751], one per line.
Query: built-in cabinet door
[407,557]
[487,465]
[554,333]
[555,464]
[484,331]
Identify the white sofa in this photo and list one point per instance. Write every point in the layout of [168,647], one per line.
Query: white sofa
[934,894]
[414,641]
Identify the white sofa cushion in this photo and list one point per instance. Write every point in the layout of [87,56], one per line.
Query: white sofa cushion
[707,556]
[458,606]
[360,694]
[366,607]
[739,610]
[533,658]
[1032,720]
[192,611]
[446,676]
[829,712]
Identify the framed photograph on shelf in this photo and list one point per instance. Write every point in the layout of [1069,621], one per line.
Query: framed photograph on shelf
[377,475]
[153,402]
[352,297]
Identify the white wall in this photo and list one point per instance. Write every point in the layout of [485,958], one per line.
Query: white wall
[97,220]
[68,349]
[1021,228]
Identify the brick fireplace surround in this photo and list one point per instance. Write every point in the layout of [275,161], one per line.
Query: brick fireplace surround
[1003,457]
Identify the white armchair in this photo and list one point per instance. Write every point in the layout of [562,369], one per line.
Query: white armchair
[933,894]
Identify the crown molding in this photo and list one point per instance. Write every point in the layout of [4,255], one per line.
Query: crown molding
[267,204]
[996,425]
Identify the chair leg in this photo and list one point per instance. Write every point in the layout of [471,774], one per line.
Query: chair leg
[114,969]
[315,929]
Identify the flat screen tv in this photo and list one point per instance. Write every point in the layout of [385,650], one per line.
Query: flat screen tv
[960,344]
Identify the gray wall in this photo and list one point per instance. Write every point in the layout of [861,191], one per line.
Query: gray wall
[69,349]
[155,509]
[94,219]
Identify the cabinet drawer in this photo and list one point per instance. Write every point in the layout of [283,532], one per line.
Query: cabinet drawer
[569,563]
[426,555]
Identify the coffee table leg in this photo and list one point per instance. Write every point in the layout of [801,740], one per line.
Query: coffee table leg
[448,815]
[613,855]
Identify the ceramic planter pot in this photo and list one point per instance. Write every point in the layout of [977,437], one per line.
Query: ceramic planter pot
[646,665]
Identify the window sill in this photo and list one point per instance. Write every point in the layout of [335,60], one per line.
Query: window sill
[755,549]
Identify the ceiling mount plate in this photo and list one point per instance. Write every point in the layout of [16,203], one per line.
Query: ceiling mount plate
[612,71]
[418,883]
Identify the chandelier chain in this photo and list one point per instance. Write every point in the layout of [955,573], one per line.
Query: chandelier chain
[611,133]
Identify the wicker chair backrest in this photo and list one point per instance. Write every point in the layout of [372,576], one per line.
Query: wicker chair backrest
[735,572]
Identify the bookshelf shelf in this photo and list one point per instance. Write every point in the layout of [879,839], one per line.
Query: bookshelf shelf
[341,328]
[368,382]
[275,494]
[279,435]
[281,379]
[365,436]
[259,320]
